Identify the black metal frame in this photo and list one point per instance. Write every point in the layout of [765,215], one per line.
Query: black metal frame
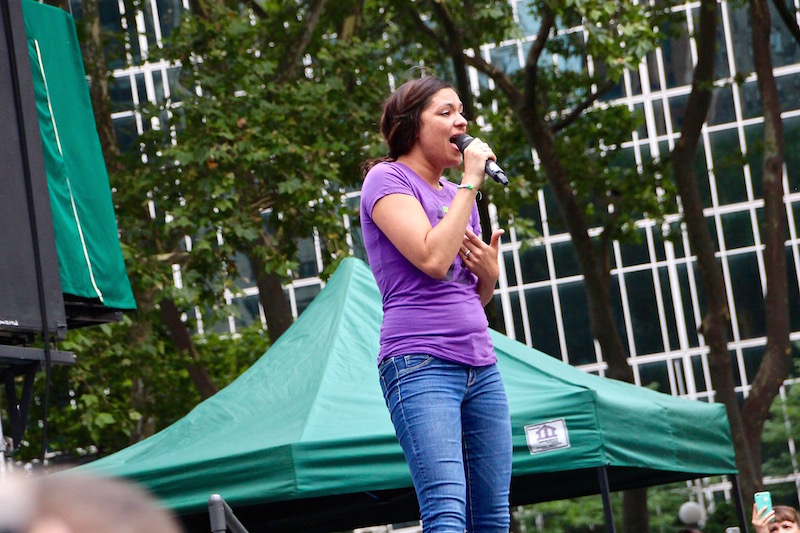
[608,512]
[16,358]
[26,362]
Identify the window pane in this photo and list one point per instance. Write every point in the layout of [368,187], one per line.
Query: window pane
[246,311]
[580,347]
[644,312]
[728,167]
[789,91]
[722,110]
[553,217]
[243,271]
[692,322]
[669,309]
[655,376]
[541,313]
[121,94]
[304,295]
[511,276]
[533,260]
[791,135]
[658,115]
[125,130]
[747,295]
[738,230]
[635,253]
[108,13]
[497,307]
[793,289]
[750,99]
[169,12]
[739,18]
[677,108]
[307,259]
[565,260]
[506,58]
[699,377]
[752,360]
[531,212]
[530,24]
[783,46]
[517,316]
[677,56]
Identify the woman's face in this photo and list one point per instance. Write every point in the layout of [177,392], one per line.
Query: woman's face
[439,122]
[784,527]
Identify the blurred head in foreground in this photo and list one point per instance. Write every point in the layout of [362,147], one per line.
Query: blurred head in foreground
[79,503]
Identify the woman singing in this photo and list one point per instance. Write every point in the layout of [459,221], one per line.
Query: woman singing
[437,364]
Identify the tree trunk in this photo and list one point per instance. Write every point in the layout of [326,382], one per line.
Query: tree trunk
[183,341]
[776,363]
[277,312]
[597,288]
[596,276]
[591,259]
[636,517]
[715,322]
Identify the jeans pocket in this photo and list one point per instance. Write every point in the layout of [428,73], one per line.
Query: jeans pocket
[413,362]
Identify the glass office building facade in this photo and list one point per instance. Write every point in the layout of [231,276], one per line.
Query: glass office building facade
[655,283]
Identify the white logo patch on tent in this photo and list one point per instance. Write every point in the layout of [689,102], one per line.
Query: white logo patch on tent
[547,436]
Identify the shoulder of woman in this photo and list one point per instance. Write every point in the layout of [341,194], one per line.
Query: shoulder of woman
[387,171]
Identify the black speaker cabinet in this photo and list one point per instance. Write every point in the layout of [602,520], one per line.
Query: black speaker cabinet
[30,287]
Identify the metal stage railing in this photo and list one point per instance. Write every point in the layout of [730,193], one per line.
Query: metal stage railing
[222,517]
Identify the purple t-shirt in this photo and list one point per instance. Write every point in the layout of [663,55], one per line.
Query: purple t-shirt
[421,314]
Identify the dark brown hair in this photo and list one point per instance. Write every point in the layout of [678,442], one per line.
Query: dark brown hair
[401,118]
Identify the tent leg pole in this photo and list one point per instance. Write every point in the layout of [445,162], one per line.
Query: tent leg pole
[605,492]
[737,499]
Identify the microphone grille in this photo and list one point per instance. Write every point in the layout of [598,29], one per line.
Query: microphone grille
[462,141]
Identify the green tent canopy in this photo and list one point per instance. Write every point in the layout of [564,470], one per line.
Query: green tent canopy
[87,243]
[302,441]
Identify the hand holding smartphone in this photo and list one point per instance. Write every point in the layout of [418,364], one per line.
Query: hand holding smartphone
[763,501]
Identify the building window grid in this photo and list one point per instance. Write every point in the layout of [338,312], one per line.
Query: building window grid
[651,135]
[683,355]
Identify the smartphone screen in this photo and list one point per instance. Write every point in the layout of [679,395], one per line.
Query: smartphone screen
[763,500]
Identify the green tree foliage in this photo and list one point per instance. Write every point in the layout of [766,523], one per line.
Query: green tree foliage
[257,161]
[586,515]
[117,393]
[253,151]
[723,516]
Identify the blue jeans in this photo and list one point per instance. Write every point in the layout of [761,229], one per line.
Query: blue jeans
[453,424]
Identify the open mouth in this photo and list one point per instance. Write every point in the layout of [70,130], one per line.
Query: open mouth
[461,141]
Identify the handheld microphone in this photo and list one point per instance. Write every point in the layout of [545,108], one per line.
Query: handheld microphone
[492,169]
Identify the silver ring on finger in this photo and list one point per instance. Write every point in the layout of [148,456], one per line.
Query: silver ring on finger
[466,254]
